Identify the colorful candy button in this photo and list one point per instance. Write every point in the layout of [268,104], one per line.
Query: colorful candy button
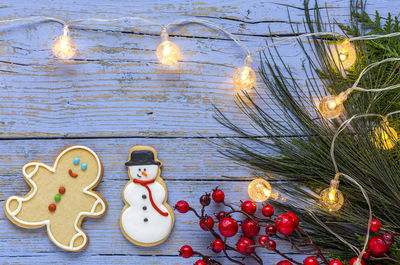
[84,166]
[57,198]
[76,160]
[61,190]
[52,207]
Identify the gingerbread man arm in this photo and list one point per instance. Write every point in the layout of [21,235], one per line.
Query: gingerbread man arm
[18,210]
[99,207]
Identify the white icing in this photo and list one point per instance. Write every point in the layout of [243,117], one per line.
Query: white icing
[149,170]
[47,222]
[158,226]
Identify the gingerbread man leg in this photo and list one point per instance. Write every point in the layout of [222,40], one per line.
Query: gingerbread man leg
[66,232]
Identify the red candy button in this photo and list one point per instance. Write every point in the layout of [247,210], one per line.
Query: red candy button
[52,207]
[61,190]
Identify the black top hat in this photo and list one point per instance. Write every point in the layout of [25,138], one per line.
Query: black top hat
[142,157]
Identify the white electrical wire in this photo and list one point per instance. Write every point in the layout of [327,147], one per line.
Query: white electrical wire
[365,70]
[332,153]
[34,19]
[213,25]
[316,34]
[75,21]
[66,24]
[352,247]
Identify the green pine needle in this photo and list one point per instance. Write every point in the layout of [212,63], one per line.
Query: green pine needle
[301,138]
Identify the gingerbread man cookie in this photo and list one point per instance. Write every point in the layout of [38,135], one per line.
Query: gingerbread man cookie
[60,197]
[146,219]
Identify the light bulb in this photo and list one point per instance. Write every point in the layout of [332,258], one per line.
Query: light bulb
[63,46]
[331,106]
[244,77]
[259,190]
[331,198]
[344,54]
[385,137]
[168,53]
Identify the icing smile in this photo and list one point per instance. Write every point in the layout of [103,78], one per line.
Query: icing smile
[138,175]
[72,174]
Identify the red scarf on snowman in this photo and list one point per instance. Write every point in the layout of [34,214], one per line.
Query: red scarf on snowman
[144,184]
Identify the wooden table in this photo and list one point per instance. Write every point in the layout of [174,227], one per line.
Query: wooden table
[114,94]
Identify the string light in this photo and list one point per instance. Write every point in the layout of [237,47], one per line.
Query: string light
[345,54]
[245,77]
[332,198]
[63,46]
[332,106]
[385,137]
[167,52]
[259,190]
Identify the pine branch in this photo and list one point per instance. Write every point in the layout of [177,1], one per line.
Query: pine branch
[306,159]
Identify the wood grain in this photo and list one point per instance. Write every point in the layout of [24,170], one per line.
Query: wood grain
[114,95]
[115,86]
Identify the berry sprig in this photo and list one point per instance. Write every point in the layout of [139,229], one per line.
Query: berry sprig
[379,245]
[284,227]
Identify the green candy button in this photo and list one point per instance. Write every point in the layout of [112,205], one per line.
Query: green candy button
[57,198]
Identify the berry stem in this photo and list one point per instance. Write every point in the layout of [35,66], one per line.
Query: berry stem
[385,257]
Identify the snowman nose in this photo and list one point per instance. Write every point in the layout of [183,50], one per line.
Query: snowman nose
[144,173]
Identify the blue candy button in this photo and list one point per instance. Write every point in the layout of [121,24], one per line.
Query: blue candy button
[84,166]
[76,160]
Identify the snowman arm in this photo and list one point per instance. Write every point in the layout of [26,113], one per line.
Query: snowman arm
[128,193]
[159,193]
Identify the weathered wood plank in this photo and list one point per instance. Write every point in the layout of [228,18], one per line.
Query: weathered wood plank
[104,233]
[115,86]
[184,159]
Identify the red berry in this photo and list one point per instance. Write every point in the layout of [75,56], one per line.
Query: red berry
[182,206]
[186,251]
[249,207]
[241,247]
[375,226]
[248,242]
[310,261]
[285,224]
[228,227]
[268,211]
[388,238]
[263,240]
[377,246]
[205,199]
[270,230]
[271,245]
[284,262]
[366,255]
[250,228]
[218,195]
[335,262]
[353,260]
[200,262]
[218,245]
[295,218]
[221,215]
[207,223]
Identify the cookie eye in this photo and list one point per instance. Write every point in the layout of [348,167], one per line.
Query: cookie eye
[76,160]
[144,169]
[140,170]
[84,166]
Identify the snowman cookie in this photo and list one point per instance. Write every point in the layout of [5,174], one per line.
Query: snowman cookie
[146,219]
[61,196]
